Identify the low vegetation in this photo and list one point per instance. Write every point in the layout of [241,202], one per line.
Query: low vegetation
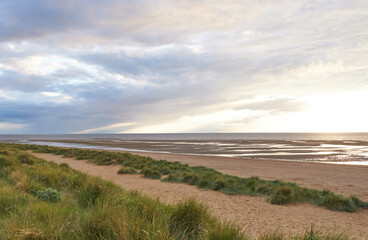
[277,192]
[43,200]
[127,170]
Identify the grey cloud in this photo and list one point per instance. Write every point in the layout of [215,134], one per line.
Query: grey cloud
[176,61]
[29,19]
[11,80]
[49,118]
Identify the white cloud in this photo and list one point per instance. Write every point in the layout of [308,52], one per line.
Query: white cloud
[6,95]
[56,97]
[221,121]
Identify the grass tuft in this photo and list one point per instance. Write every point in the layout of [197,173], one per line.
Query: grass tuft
[339,203]
[226,231]
[188,219]
[284,195]
[151,173]
[88,193]
[127,170]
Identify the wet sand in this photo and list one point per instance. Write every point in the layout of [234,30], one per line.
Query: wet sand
[306,150]
[253,214]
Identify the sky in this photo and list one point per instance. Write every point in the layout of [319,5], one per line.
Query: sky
[160,66]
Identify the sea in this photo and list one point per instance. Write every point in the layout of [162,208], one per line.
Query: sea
[336,148]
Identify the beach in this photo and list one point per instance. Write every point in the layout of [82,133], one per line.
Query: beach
[253,214]
[310,150]
[340,178]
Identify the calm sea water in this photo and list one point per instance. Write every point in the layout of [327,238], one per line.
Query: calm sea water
[345,148]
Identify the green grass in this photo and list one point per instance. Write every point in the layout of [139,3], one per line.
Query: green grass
[127,170]
[43,200]
[276,192]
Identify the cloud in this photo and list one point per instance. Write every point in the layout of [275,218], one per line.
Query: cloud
[13,80]
[274,104]
[5,127]
[91,66]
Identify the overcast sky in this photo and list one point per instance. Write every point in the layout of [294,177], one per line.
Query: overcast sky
[78,66]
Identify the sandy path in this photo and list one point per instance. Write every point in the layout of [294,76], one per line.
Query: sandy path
[253,214]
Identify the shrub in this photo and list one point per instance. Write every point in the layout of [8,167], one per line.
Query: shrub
[48,194]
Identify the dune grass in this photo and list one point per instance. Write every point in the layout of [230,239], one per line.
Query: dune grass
[42,200]
[276,192]
[127,170]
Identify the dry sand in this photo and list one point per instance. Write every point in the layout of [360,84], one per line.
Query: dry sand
[253,214]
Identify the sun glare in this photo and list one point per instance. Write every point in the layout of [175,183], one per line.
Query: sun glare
[339,112]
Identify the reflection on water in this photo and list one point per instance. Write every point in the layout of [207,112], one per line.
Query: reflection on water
[285,150]
[351,148]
